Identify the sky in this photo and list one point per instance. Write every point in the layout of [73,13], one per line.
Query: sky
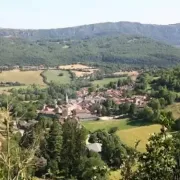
[44,14]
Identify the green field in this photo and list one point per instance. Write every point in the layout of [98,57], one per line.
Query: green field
[95,125]
[106,81]
[131,136]
[120,123]
[129,131]
[53,76]
[24,77]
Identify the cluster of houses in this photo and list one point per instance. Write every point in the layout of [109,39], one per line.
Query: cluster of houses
[79,108]
[140,101]
[82,106]
[117,95]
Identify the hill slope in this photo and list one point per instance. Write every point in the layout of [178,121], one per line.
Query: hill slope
[133,50]
[166,33]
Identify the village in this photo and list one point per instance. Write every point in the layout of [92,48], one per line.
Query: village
[89,101]
[83,107]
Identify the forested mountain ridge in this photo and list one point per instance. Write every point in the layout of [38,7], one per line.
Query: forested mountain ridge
[166,33]
[132,50]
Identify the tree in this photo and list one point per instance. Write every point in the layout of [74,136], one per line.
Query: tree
[112,148]
[171,98]
[30,115]
[176,126]
[15,162]
[154,104]
[73,148]
[113,130]
[94,168]
[166,119]
[146,114]
[112,151]
[132,109]
[27,97]
[162,102]
[124,108]
[52,147]
[97,86]
[61,74]
[129,162]
[91,89]
[98,136]
[104,111]
[108,103]
[158,162]
[161,159]
[119,83]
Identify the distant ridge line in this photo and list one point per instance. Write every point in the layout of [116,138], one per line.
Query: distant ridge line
[166,33]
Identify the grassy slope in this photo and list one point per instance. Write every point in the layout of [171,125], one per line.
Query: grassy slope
[53,75]
[121,49]
[25,77]
[95,125]
[105,81]
[175,109]
[120,123]
[129,131]
[131,136]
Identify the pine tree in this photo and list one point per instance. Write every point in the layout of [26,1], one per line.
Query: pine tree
[52,148]
[132,109]
[73,148]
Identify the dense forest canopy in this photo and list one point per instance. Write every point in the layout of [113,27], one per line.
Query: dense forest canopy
[132,50]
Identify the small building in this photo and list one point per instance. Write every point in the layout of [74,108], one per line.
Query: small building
[85,115]
[95,147]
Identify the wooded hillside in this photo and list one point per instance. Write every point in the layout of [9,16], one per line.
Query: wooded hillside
[166,33]
[132,50]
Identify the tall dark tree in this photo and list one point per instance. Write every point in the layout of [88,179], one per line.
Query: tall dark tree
[132,109]
[51,148]
[124,108]
[113,151]
[112,148]
[73,148]
[104,111]
[155,104]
